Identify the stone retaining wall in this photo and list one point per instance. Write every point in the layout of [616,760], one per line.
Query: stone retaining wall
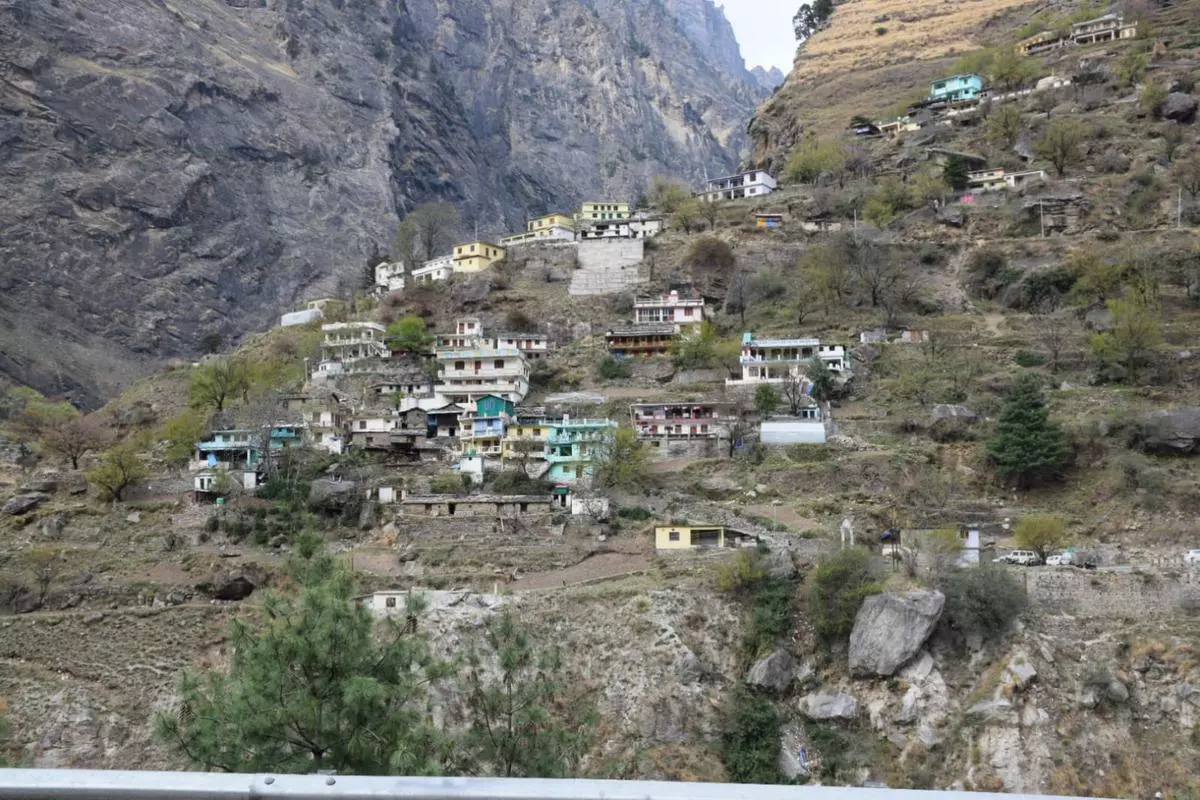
[1111,594]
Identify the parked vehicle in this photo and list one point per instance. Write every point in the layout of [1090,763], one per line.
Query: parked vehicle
[1021,558]
[1059,560]
[1192,558]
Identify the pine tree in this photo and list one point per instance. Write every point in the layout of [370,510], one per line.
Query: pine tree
[521,724]
[311,690]
[1026,447]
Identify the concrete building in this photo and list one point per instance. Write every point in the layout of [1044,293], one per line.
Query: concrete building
[1107,28]
[526,437]
[389,277]
[468,332]
[681,420]
[604,211]
[684,537]
[534,346]
[305,317]
[433,271]
[483,430]
[768,222]
[755,183]
[481,505]
[1043,42]
[230,450]
[774,360]
[631,341]
[468,374]
[409,383]
[678,309]
[956,88]
[347,342]
[477,256]
[575,447]
[993,180]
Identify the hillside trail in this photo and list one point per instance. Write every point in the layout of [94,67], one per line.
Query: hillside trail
[592,568]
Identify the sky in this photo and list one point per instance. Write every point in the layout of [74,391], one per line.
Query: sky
[764,29]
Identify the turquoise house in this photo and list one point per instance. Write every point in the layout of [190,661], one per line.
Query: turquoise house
[285,436]
[574,447]
[234,448]
[484,430]
[956,88]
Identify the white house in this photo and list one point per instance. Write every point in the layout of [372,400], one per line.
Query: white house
[389,276]
[534,346]
[466,375]
[755,183]
[775,360]
[438,269]
[686,309]
[347,342]
[305,317]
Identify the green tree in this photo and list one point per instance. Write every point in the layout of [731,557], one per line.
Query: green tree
[1004,125]
[1009,69]
[1026,447]
[954,173]
[120,469]
[409,334]
[696,349]
[1041,533]
[750,738]
[823,381]
[766,399]
[1187,173]
[983,601]
[1152,97]
[428,231]
[217,382]
[708,254]
[668,195]
[929,187]
[181,433]
[839,585]
[1135,337]
[1059,144]
[623,463]
[815,159]
[311,689]
[1098,278]
[1131,66]
[521,721]
[686,215]
[62,430]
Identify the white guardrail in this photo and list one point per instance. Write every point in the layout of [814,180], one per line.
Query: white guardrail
[55,784]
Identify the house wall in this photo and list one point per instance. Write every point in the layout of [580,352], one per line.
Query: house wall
[662,537]
[664,449]
[306,317]
[792,432]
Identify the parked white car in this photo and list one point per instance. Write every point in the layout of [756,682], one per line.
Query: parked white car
[1058,560]
[1022,558]
[1192,557]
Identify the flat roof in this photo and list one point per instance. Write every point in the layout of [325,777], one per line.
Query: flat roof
[649,329]
[342,326]
[477,498]
[491,352]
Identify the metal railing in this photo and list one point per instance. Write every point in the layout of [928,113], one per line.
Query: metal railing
[54,784]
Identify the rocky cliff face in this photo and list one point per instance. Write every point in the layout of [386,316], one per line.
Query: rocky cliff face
[171,171]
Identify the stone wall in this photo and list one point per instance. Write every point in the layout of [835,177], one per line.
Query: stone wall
[1111,594]
[664,449]
[608,266]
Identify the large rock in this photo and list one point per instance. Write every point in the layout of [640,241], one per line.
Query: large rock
[331,495]
[822,707]
[952,215]
[891,628]
[773,672]
[23,503]
[943,412]
[234,584]
[1171,432]
[1179,107]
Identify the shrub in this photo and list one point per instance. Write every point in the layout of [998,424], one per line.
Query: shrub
[637,514]
[750,739]
[880,31]
[518,482]
[710,254]
[983,600]
[610,369]
[741,574]
[839,586]
[449,483]
[1028,359]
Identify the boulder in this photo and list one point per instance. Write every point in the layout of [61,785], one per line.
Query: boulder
[997,709]
[1116,691]
[1174,431]
[23,503]
[780,565]
[891,628]
[331,494]
[234,584]
[943,412]
[45,483]
[952,215]
[1020,672]
[1179,107]
[773,672]
[821,707]
[52,527]
[1099,320]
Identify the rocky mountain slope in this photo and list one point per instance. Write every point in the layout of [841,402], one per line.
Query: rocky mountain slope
[172,171]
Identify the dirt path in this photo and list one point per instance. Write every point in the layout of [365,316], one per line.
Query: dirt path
[604,565]
[994,323]
[786,516]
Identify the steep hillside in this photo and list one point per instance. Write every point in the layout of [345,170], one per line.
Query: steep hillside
[172,171]
[874,55]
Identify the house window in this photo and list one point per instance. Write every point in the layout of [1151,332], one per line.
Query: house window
[673,536]
[460,365]
[390,602]
[362,425]
[499,363]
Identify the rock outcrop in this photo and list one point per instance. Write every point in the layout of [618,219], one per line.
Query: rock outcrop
[1171,432]
[821,707]
[891,628]
[179,170]
[23,504]
[773,672]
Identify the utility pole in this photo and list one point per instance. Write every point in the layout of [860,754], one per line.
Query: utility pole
[1179,210]
[1042,211]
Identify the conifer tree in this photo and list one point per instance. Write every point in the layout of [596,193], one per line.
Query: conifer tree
[1026,447]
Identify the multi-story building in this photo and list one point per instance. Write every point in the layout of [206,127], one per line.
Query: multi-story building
[600,212]
[483,430]
[1102,29]
[231,449]
[682,420]
[755,183]
[476,256]
[526,436]
[347,342]
[468,332]
[534,346]
[389,277]
[775,360]
[433,271]
[326,428]
[674,307]
[574,448]
[642,340]
[465,375]
[549,228]
[399,385]
[955,88]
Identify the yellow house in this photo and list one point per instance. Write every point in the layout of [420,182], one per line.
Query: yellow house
[525,439]
[675,537]
[544,225]
[594,212]
[476,256]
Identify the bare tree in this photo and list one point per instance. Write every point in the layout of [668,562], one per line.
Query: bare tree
[792,390]
[427,231]
[1056,335]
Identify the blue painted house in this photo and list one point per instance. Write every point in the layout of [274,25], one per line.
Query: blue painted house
[234,448]
[285,436]
[574,447]
[484,430]
[956,88]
